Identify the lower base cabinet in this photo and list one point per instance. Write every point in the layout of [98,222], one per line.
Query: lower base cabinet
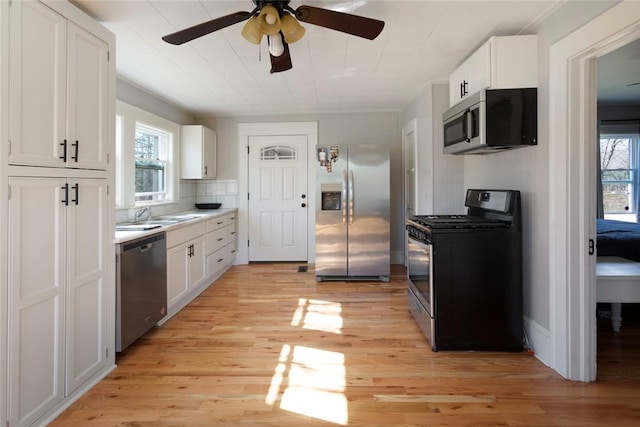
[196,256]
[186,262]
[57,277]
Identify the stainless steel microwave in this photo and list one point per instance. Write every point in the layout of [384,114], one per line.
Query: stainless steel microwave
[492,120]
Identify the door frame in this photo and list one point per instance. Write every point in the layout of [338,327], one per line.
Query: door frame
[408,129]
[572,172]
[247,130]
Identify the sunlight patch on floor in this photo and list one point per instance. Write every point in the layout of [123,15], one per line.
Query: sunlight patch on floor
[315,384]
[318,315]
[310,381]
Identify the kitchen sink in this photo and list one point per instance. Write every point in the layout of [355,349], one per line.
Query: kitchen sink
[177,218]
[136,227]
[150,224]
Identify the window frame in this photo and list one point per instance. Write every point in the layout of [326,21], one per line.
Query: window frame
[164,141]
[634,166]
[130,118]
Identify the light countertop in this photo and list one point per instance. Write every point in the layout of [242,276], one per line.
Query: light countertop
[199,214]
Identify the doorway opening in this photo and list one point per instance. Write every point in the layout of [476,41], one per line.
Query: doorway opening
[572,124]
[246,131]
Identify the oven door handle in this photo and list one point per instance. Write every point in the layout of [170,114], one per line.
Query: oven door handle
[344,196]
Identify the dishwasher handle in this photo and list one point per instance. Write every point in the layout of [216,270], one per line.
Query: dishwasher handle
[144,244]
[146,247]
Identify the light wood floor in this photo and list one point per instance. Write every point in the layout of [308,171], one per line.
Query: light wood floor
[266,345]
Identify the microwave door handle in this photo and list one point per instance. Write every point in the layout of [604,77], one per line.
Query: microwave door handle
[466,125]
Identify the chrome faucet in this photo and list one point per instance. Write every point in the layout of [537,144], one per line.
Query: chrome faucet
[140,212]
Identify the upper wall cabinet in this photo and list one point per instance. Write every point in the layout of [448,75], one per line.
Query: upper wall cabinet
[59,80]
[501,63]
[198,152]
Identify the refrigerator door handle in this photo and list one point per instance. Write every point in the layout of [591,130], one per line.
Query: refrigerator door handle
[344,197]
[351,196]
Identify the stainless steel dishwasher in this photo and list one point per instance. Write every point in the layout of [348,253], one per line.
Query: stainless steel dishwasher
[141,287]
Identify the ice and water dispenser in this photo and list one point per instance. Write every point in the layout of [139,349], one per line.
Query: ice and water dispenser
[331,197]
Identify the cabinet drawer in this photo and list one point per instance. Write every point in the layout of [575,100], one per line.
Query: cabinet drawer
[217,223]
[217,261]
[181,235]
[231,230]
[216,240]
[232,252]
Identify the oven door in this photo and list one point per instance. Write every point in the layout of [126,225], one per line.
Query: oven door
[420,273]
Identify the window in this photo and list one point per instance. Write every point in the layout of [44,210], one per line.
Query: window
[619,166]
[278,152]
[146,155]
[151,163]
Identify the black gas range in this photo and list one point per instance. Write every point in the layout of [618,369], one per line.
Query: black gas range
[465,274]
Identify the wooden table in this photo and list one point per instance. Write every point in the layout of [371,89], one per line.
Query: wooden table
[617,281]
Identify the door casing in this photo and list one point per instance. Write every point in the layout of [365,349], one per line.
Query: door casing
[245,131]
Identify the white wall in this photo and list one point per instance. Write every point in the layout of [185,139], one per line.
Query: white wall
[440,177]
[346,128]
[526,169]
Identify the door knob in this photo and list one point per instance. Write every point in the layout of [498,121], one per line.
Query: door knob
[304,196]
[304,205]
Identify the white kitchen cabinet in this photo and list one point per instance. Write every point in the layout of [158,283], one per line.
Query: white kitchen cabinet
[57,276]
[231,244]
[59,118]
[198,152]
[58,85]
[186,262]
[504,62]
[219,237]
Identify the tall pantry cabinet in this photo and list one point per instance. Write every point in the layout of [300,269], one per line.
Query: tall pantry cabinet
[57,117]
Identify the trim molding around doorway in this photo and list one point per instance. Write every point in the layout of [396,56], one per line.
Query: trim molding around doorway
[245,131]
[572,124]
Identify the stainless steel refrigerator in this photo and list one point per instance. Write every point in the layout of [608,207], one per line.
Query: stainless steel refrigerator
[352,212]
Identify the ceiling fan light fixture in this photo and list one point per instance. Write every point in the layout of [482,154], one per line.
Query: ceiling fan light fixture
[291,28]
[251,32]
[268,20]
[276,47]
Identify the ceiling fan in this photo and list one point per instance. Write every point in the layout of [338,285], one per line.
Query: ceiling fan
[279,22]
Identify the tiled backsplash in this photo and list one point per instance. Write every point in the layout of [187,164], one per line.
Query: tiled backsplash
[223,191]
[192,192]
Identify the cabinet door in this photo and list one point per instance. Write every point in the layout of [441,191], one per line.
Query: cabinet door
[37,78]
[177,273]
[209,154]
[87,239]
[479,69]
[87,107]
[197,262]
[456,82]
[37,247]
[198,152]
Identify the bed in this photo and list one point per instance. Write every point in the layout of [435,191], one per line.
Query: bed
[618,238]
[618,265]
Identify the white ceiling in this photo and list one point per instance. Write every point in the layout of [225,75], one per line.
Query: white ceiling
[619,75]
[222,74]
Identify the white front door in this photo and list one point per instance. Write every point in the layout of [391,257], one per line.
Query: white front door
[278,198]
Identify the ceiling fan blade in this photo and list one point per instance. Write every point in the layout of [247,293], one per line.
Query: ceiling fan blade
[282,62]
[347,23]
[191,33]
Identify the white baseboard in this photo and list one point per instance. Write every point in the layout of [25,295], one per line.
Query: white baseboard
[539,341]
